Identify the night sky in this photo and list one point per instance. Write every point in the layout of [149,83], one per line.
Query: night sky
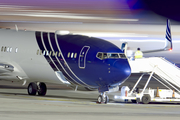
[167,8]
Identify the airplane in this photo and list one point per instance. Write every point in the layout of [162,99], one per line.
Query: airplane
[62,58]
[40,57]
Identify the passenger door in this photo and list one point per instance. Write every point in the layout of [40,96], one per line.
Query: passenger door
[82,57]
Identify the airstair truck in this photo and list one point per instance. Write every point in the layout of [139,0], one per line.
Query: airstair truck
[165,72]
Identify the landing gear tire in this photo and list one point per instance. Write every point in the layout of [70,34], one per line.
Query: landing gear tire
[42,89]
[106,100]
[133,101]
[103,99]
[32,88]
[146,99]
[99,100]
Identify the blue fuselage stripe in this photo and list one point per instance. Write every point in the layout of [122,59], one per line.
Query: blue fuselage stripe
[39,41]
[46,42]
[73,78]
[63,62]
[53,43]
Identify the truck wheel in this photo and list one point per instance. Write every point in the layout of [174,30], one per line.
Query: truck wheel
[146,99]
[133,101]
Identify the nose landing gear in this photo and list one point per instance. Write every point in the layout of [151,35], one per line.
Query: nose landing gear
[103,98]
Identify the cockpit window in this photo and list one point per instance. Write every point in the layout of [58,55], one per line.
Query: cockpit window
[122,55]
[105,55]
[99,55]
[113,55]
[102,55]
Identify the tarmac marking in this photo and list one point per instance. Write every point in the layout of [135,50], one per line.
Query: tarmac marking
[76,101]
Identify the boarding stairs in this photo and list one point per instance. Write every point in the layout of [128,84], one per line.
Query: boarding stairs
[166,71]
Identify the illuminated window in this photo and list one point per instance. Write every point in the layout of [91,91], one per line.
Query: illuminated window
[72,54]
[16,50]
[44,52]
[10,50]
[47,53]
[68,55]
[37,52]
[53,53]
[56,53]
[75,55]
[40,52]
[50,53]
[7,49]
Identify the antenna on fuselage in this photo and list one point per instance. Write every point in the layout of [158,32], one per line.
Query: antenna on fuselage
[16,27]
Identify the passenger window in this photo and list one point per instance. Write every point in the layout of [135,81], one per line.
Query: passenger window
[2,48]
[47,53]
[44,52]
[68,55]
[72,54]
[50,53]
[59,54]
[56,53]
[5,49]
[10,50]
[40,52]
[75,55]
[16,50]
[53,53]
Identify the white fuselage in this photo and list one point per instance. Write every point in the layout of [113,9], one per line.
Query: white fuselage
[23,57]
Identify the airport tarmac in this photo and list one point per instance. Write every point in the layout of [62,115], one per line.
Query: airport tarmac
[68,104]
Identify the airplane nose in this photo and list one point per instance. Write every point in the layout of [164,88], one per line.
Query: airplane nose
[121,70]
